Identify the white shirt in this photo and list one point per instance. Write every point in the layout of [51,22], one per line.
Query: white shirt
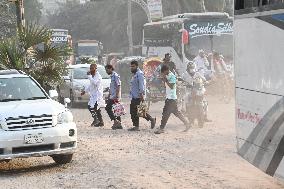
[95,90]
[201,64]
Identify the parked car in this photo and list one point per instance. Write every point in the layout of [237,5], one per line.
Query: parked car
[77,80]
[31,122]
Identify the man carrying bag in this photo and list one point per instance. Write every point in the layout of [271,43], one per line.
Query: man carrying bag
[137,94]
[114,97]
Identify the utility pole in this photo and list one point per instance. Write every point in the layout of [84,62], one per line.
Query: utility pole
[130,39]
[19,13]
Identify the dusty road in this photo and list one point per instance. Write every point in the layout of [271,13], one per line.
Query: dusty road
[202,158]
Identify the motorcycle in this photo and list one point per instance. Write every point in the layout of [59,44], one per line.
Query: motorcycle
[196,106]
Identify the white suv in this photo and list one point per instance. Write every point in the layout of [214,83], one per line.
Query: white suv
[31,123]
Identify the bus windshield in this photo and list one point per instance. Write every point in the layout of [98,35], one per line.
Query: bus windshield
[88,50]
[163,35]
[221,44]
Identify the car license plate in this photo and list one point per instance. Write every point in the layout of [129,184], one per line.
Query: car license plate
[33,139]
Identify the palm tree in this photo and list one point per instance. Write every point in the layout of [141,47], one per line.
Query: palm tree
[33,43]
[11,54]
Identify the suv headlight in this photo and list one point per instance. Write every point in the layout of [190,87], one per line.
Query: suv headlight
[64,117]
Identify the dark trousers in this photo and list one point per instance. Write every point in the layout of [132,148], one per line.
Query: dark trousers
[96,114]
[109,103]
[171,108]
[133,111]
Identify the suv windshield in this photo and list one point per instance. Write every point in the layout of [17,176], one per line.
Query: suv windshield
[21,88]
[81,73]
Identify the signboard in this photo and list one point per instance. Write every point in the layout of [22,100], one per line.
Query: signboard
[156,9]
[59,39]
[209,28]
[59,36]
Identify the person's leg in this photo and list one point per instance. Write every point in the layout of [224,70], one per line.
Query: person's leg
[165,117]
[179,115]
[119,119]
[148,117]
[167,111]
[93,113]
[205,109]
[133,112]
[109,109]
[99,116]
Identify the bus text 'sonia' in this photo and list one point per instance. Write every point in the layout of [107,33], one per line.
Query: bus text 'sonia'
[196,30]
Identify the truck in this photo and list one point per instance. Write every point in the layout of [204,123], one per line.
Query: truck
[88,49]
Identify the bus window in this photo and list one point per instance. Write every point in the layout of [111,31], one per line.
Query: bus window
[244,4]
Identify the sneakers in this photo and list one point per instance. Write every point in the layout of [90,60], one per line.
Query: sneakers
[153,123]
[159,131]
[116,125]
[100,124]
[187,127]
[93,124]
[134,129]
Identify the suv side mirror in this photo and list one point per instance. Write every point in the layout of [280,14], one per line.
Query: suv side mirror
[53,94]
[66,102]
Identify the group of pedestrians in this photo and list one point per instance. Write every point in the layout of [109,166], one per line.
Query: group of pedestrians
[137,95]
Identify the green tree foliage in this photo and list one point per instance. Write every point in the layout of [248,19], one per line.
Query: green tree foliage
[32,52]
[106,20]
[33,10]
[11,54]
[7,19]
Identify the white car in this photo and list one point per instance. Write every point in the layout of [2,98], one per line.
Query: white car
[77,80]
[31,122]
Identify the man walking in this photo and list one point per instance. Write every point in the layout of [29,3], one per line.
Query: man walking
[137,94]
[114,96]
[171,102]
[95,90]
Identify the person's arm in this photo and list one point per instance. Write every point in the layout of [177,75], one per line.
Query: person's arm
[141,85]
[202,77]
[85,90]
[118,84]
[171,85]
[171,82]
[206,62]
[224,65]
[175,68]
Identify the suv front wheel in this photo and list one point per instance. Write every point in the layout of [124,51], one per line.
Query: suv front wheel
[62,158]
